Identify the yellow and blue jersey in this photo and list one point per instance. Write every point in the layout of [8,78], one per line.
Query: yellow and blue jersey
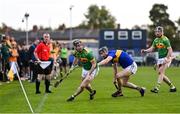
[120,57]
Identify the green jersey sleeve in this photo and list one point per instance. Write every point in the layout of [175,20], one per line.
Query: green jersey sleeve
[154,43]
[90,56]
[167,43]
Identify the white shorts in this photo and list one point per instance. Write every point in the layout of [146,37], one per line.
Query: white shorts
[94,73]
[162,61]
[132,68]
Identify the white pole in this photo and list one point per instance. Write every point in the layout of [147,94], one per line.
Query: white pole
[26,31]
[23,89]
[27,39]
[70,33]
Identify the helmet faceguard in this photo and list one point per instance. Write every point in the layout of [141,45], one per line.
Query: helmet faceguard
[159,29]
[76,42]
[103,49]
[78,45]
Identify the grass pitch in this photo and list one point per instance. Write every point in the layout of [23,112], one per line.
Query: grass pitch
[13,101]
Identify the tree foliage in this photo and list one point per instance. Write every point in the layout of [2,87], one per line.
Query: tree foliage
[160,17]
[97,18]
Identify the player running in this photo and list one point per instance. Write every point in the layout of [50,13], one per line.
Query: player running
[89,69]
[128,65]
[163,46]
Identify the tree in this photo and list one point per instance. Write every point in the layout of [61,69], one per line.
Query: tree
[177,40]
[35,28]
[3,28]
[136,27]
[97,18]
[178,21]
[178,28]
[160,17]
[61,27]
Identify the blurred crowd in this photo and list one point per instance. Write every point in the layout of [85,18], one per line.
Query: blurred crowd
[24,59]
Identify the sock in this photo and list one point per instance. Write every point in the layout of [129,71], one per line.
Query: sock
[138,88]
[131,86]
[119,84]
[37,85]
[47,83]
[78,91]
[158,86]
[89,89]
[172,86]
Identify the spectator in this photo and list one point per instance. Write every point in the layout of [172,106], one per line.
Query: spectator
[24,58]
[54,54]
[32,59]
[13,55]
[71,59]
[64,54]
[5,56]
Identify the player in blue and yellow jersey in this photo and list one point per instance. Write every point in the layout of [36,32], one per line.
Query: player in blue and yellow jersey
[129,68]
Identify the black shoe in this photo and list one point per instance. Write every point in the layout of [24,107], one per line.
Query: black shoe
[38,92]
[155,90]
[142,91]
[70,99]
[172,90]
[48,91]
[117,94]
[92,94]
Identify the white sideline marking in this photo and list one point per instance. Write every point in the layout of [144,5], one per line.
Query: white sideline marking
[41,104]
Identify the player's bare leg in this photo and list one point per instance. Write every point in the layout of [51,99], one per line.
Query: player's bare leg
[125,76]
[80,89]
[163,77]
[118,93]
[88,87]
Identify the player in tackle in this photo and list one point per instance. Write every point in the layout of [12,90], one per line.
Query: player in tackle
[163,46]
[129,68]
[89,69]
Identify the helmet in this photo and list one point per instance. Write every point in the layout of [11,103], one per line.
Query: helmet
[159,28]
[76,42]
[103,49]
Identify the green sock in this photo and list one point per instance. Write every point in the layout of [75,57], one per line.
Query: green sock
[158,85]
[171,85]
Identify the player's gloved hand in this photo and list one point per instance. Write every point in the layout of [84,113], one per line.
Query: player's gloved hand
[167,60]
[38,61]
[143,51]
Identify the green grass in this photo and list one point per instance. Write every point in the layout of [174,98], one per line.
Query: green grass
[13,101]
